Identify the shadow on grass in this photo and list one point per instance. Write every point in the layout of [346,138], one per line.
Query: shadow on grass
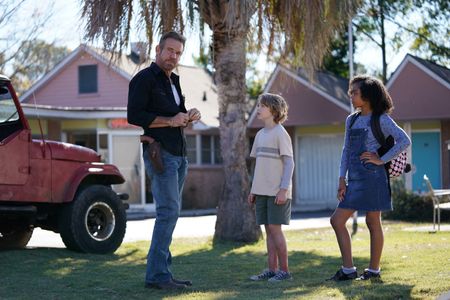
[220,272]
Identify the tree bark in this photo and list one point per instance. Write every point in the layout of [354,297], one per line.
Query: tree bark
[235,218]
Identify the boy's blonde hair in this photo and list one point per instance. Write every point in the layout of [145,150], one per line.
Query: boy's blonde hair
[277,105]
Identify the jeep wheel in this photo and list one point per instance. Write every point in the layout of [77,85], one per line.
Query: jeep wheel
[94,222]
[15,238]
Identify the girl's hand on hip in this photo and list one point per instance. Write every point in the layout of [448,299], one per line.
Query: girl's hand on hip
[370,157]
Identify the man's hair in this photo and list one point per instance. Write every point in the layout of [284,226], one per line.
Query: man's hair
[373,91]
[277,105]
[171,35]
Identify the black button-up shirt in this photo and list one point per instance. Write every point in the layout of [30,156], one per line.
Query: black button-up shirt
[149,96]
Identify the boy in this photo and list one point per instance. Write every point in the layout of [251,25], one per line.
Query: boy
[271,186]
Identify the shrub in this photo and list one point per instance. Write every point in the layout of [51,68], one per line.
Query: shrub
[410,206]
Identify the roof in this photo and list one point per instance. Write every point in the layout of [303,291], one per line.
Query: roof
[197,85]
[322,101]
[439,70]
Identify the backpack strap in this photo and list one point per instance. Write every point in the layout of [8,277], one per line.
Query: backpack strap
[376,129]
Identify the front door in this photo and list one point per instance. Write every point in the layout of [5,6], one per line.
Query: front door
[317,171]
[126,154]
[426,158]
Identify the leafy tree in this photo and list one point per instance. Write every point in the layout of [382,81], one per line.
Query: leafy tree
[20,27]
[298,30]
[425,22]
[33,60]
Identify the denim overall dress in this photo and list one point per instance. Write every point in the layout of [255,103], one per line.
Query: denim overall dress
[367,188]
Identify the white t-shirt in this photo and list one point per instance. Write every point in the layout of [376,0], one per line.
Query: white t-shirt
[175,94]
[268,147]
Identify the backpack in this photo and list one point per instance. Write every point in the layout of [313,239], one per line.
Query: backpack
[398,165]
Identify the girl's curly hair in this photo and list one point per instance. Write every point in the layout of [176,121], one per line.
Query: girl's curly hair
[373,91]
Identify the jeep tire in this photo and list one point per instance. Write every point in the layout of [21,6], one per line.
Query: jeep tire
[95,222]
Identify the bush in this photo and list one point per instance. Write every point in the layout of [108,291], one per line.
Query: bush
[409,206]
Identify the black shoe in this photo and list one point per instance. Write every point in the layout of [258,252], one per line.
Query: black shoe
[341,276]
[369,275]
[169,285]
[185,282]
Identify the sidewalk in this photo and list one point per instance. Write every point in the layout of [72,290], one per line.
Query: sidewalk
[191,224]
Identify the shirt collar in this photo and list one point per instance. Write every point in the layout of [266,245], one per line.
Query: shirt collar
[157,70]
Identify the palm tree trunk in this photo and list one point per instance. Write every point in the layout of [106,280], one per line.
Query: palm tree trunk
[235,218]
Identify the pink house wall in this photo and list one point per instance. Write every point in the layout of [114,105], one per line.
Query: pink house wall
[306,106]
[418,96]
[62,89]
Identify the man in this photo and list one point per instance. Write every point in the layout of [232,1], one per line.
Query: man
[155,103]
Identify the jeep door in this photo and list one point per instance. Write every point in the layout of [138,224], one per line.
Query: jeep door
[14,140]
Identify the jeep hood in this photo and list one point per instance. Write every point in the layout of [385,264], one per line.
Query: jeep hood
[66,151]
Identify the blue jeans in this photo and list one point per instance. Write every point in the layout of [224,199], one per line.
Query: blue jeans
[167,189]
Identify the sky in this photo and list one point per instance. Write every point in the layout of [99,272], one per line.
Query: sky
[65,28]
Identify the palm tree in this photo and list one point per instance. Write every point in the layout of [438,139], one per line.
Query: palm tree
[301,29]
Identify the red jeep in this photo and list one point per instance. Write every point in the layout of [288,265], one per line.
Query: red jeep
[56,186]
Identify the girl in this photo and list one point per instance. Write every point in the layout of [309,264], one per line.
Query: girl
[367,188]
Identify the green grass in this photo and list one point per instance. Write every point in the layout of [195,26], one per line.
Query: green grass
[415,265]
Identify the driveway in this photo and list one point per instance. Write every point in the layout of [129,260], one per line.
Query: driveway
[188,226]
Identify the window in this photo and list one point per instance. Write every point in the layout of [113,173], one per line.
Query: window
[217,152]
[87,79]
[206,149]
[203,149]
[8,111]
[191,149]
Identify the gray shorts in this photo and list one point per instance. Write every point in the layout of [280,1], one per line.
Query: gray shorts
[267,212]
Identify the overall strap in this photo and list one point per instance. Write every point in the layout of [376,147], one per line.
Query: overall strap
[353,119]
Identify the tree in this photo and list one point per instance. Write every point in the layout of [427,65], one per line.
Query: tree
[425,22]
[33,60]
[300,30]
[17,33]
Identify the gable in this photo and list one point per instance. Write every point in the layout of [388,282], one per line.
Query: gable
[61,90]
[307,105]
[418,95]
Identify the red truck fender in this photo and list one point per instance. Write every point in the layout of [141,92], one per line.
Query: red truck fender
[91,173]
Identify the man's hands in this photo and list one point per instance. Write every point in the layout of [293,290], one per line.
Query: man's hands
[179,120]
[182,119]
[194,114]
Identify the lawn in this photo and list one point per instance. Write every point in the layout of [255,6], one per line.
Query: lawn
[415,265]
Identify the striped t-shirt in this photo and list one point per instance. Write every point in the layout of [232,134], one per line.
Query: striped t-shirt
[268,147]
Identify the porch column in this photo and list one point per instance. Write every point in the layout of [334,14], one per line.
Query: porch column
[408,176]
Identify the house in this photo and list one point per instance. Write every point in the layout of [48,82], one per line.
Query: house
[318,109]
[83,101]
[421,93]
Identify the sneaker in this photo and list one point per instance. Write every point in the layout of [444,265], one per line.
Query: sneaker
[280,276]
[341,276]
[266,274]
[369,275]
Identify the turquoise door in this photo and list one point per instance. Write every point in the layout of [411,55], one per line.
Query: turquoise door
[426,157]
